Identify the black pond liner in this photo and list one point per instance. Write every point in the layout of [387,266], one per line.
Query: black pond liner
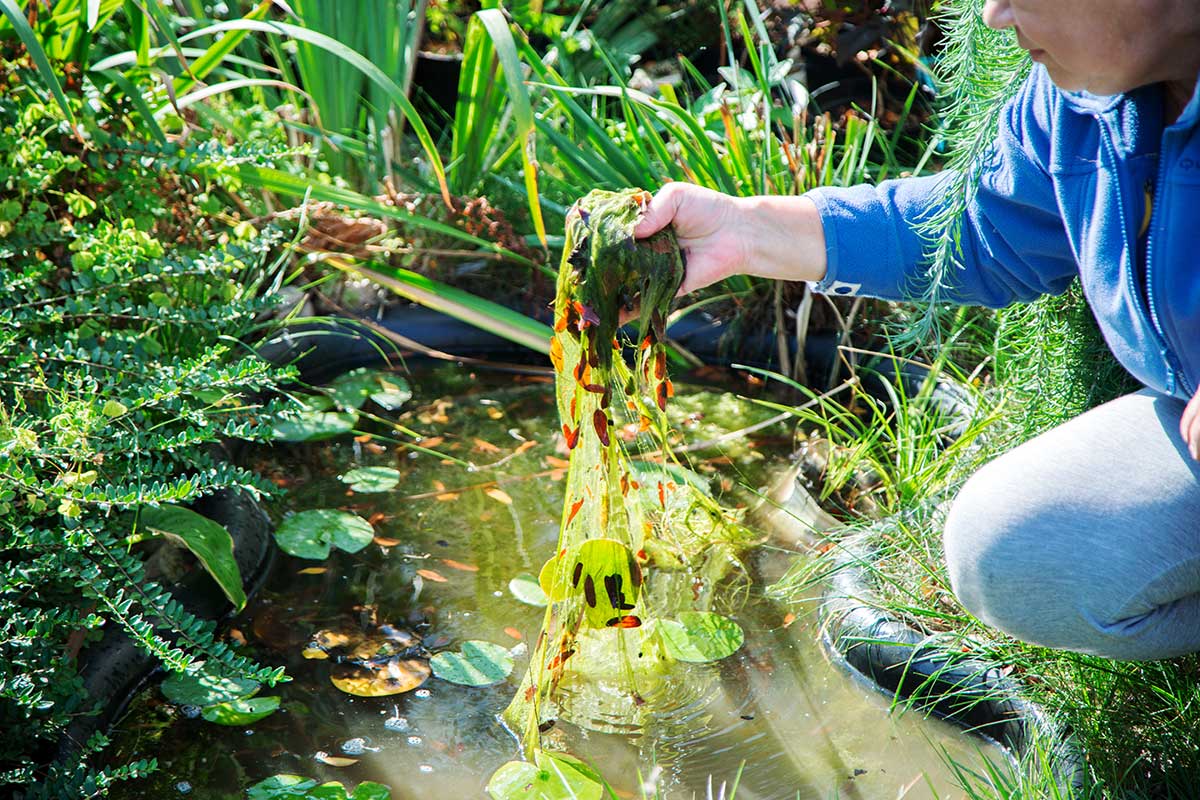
[114,669]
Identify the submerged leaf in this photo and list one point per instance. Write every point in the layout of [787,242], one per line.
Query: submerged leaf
[525,588]
[553,776]
[241,712]
[311,426]
[371,479]
[701,636]
[475,664]
[203,689]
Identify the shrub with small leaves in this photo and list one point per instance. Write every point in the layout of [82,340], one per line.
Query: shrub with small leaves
[122,362]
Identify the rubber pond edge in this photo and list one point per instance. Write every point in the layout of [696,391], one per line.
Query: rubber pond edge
[114,669]
[899,661]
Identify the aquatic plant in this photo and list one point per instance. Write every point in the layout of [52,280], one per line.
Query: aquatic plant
[643,551]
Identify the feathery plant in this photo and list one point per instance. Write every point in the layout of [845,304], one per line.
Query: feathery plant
[980,69]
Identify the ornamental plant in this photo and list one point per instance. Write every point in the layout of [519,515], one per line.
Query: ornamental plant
[130,291]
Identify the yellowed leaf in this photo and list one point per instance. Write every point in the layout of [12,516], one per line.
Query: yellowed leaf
[335,761]
[431,575]
[485,446]
[384,541]
[313,571]
[496,493]
[458,565]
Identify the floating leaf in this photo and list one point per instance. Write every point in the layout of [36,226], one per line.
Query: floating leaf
[393,676]
[279,787]
[311,534]
[371,479]
[201,688]
[460,566]
[207,540]
[496,493]
[701,636]
[554,776]
[241,712]
[525,588]
[352,389]
[311,426]
[429,574]
[393,393]
[359,646]
[475,664]
[336,761]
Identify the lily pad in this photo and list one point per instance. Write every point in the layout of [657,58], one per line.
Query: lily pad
[526,588]
[281,787]
[241,712]
[701,636]
[475,664]
[207,540]
[312,534]
[392,676]
[200,688]
[311,426]
[371,479]
[553,776]
[353,389]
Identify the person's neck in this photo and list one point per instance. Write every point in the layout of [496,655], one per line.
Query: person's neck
[1177,96]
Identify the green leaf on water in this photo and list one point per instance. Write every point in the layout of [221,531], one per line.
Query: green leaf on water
[312,534]
[526,588]
[371,479]
[393,393]
[278,787]
[199,688]
[554,776]
[370,790]
[241,712]
[475,664]
[353,389]
[207,540]
[311,426]
[701,636]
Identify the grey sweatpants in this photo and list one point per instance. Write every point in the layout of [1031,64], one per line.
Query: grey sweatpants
[1088,537]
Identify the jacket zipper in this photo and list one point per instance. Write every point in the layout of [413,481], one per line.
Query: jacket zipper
[1174,372]
[1174,367]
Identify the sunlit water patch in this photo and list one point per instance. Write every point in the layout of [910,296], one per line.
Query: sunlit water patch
[447,543]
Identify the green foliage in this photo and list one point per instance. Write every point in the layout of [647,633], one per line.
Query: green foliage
[476,663]
[1053,362]
[980,70]
[120,367]
[283,786]
[313,534]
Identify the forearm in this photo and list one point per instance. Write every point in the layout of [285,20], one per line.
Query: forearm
[783,237]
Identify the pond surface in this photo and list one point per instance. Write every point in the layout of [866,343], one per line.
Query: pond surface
[448,541]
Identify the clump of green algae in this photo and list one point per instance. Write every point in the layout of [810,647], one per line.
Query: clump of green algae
[625,520]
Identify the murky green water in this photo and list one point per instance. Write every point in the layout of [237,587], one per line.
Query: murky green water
[447,545]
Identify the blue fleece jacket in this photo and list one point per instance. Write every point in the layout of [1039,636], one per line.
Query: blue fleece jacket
[1066,191]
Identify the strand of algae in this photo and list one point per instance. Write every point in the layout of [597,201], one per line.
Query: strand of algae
[621,521]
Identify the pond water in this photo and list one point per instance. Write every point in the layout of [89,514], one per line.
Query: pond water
[448,541]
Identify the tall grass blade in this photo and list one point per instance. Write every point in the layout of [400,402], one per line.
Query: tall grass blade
[34,47]
[474,310]
[376,75]
[217,53]
[506,50]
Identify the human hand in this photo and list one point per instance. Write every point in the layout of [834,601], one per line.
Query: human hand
[708,226]
[1189,426]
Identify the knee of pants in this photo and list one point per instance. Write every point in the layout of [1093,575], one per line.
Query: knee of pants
[993,557]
